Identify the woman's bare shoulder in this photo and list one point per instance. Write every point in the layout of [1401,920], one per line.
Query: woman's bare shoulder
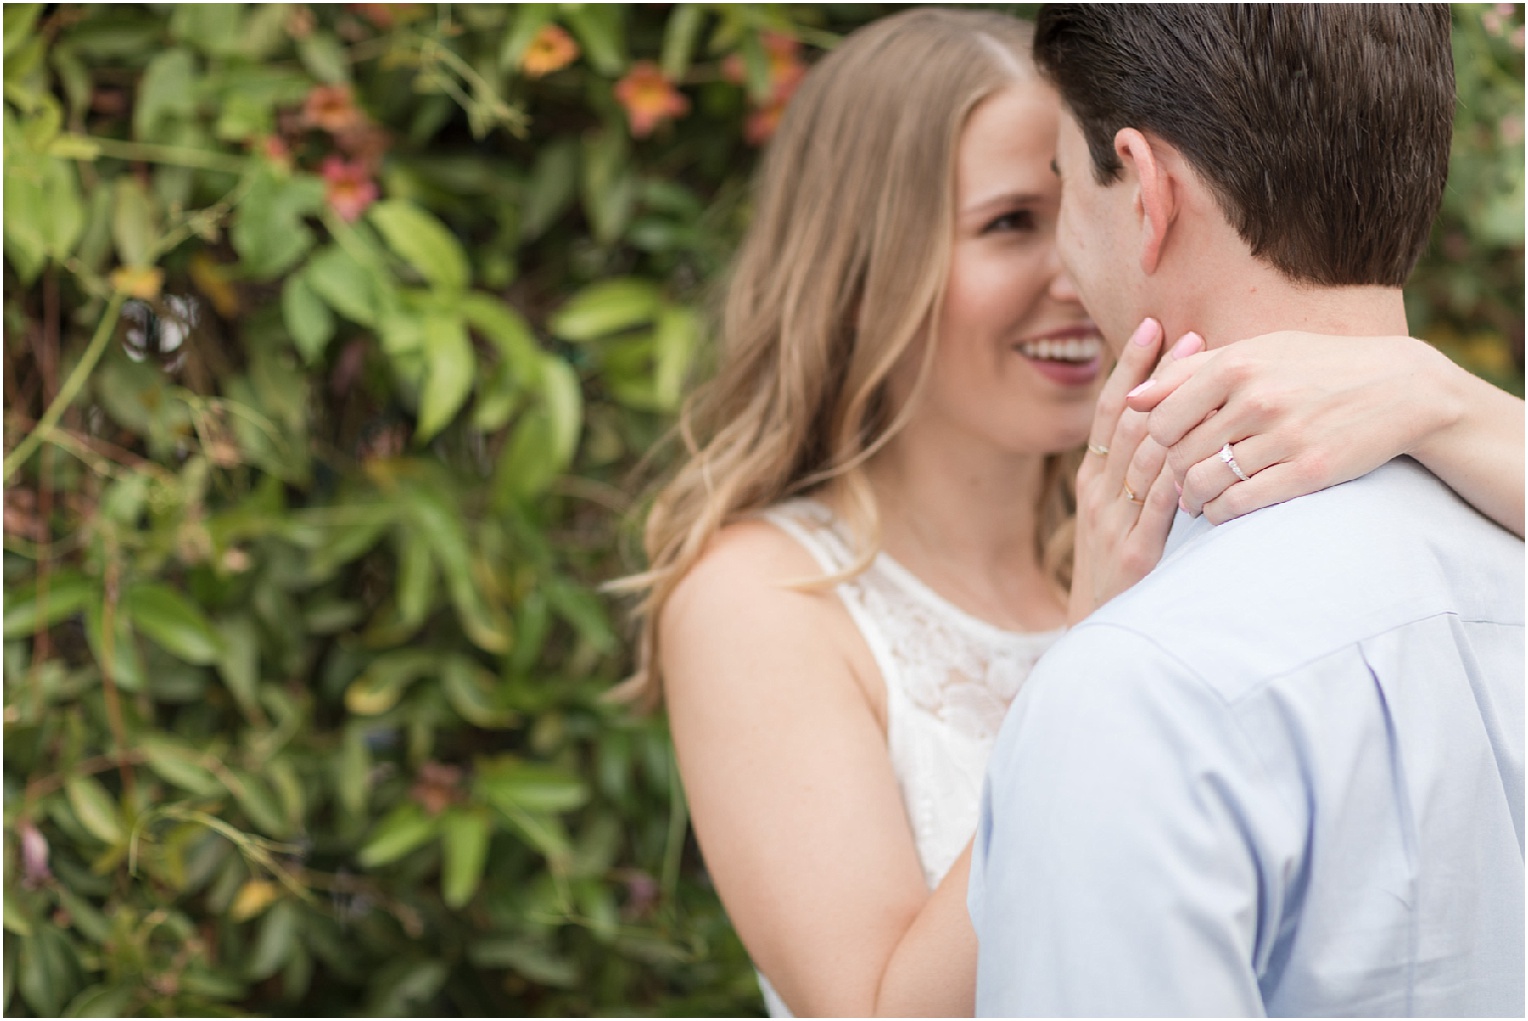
[737,605]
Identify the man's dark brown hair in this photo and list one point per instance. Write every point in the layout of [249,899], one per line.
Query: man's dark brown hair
[1323,129]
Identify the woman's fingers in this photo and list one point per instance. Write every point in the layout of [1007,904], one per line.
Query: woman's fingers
[1272,485]
[1211,476]
[1136,361]
[1150,535]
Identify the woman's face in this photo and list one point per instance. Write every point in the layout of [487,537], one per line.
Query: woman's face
[1019,362]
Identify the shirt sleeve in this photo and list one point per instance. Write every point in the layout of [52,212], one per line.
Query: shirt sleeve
[1116,869]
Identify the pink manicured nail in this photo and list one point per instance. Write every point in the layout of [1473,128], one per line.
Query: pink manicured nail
[1142,388]
[1178,488]
[1189,343]
[1145,334]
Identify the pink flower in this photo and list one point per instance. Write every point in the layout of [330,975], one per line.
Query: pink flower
[649,98]
[347,187]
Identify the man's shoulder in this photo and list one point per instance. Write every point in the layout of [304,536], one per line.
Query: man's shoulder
[1259,596]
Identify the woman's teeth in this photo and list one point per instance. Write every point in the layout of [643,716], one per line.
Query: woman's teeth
[1072,349]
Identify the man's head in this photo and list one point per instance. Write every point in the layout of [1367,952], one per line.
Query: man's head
[1321,131]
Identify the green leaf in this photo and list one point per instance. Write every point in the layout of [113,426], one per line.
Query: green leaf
[402,830]
[348,287]
[132,222]
[599,30]
[416,582]
[505,328]
[423,242]
[126,665]
[679,40]
[95,809]
[527,957]
[44,214]
[470,690]
[179,764]
[268,231]
[49,970]
[32,606]
[406,989]
[259,803]
[449,371]
[353,771]
[307,318]
[563,400]
[103,1001]
[177,626]
[676,337]
[166,90]
[464,834]
[531,18]
[19,21]
[606,308]
[609,185]
[525,467]
[552,186]
[239,662]
[529,786]
[382,684]
[278,938]
[324,57]
[438,520]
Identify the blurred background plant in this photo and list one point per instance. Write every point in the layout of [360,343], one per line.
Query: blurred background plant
[332,337]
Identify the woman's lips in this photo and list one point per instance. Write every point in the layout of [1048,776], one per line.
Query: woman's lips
[1068,358]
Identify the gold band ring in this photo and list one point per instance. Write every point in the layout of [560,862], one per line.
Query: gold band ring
[1129,494]
[1099,449]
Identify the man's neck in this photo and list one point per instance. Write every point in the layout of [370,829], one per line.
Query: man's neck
[1234,308]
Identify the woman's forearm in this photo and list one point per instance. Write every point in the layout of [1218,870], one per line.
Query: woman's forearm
[1480,453]
[932,971]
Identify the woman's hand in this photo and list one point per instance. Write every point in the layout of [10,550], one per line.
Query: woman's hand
[1125,498]
[1302,412]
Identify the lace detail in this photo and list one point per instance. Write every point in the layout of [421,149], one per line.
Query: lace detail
[955,667]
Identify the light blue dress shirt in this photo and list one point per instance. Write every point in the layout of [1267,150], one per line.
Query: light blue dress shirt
[1282,775]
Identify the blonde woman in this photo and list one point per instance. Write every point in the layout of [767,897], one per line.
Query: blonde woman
[875,508]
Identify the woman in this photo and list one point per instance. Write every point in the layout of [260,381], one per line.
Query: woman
[875,510]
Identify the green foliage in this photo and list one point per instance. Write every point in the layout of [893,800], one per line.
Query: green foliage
[332,335]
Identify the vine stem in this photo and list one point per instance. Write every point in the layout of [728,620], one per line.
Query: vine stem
[69,391]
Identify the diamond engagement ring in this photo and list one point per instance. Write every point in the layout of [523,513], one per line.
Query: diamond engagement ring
[1129,493]
[1099,449]
[1230,460]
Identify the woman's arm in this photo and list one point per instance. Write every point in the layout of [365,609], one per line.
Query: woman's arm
[777,715]
[1305,412]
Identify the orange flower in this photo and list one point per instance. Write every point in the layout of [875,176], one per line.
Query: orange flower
[762,122]
[332,108]
[785,68]
[551,50]
[649,98]
[347,188]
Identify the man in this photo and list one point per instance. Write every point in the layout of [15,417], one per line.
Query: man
[1284,774]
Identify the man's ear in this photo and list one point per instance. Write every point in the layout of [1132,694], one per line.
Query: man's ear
[1156,198]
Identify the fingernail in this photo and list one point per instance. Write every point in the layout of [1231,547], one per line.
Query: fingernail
[1182,506]
[1178,488]
[1142,388]
[1145,334]
[1189,343]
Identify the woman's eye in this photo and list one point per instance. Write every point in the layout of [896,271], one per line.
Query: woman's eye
[1019,219]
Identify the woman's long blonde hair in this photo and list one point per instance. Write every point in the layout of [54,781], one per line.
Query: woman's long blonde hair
[841,273]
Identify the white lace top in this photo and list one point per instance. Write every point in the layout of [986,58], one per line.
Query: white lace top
[949,681]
